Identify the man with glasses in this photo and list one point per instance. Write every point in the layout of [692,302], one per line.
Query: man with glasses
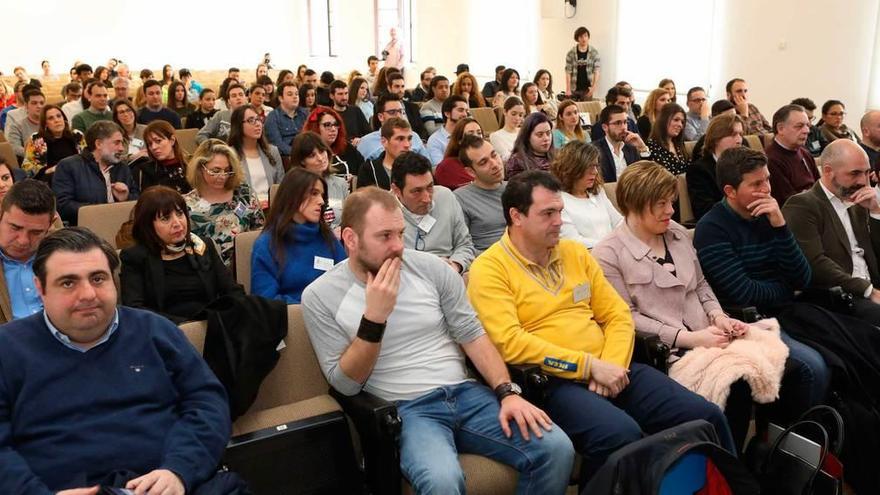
[620,146]
[356,124]
[433,217]
[454,109]
[836,224]
[388,106]
[738,94]
[792,167]
[697,118]
[622,97]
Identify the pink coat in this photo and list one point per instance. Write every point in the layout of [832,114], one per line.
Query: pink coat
[661,303]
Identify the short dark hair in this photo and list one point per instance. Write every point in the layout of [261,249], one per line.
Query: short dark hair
[826,107]
[327,77]
[782,114]
[371,58]
[608,111]
[101,129]
[807,103]
[31,93]
[205,92]
[72,239]
[33,197]
[437,80]
[184,73]
[729,86]
[449,104]
[721,106]
[469,142]
[232,69]
[616,91]
[393,76]
[337,84]
[694,90]
[735,162]
[580,32]
[387,129]
[518,193]
[155,202]
[310,72]
[408,163]
[234,86]
[81,68]
[150,83]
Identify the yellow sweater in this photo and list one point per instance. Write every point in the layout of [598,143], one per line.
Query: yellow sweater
[554,316]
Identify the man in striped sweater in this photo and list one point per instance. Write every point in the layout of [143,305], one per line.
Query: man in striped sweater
[751,258]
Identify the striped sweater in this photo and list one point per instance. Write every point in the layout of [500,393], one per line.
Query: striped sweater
[749,262]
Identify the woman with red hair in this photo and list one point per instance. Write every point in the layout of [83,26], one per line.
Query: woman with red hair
[328,124]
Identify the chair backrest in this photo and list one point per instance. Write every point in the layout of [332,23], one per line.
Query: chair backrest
[297,375]
[187,139]
[686,213]
[611,192]
[105,219]
[273,190]
[689,148]
[485,116]
[754,142]
[592,107]
[2,137]
[8,155]
[243,247]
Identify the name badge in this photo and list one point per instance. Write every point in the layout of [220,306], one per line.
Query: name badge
[427,223]
[137,143]
[582,292]
[323,264]
[240,209]
[815,145]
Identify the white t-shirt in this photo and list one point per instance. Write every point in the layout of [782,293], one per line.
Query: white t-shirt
[588,220]
[259,181]
[502,141]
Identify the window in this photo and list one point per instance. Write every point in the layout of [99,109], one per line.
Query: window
[394,14]
[323,34]
[671,39]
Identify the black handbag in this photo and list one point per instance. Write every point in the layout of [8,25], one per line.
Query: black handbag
[781,471]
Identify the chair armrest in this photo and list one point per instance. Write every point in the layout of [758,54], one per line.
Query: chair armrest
[650,350]
[745,314]
[833,298]
[531,379]
[378,426]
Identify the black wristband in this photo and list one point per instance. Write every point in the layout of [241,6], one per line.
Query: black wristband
[370,330]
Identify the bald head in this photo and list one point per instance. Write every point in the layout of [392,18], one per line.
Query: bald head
[845,168]
[840,152]
[870,125]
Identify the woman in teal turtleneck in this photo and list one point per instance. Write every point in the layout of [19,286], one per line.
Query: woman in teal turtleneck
[297,245]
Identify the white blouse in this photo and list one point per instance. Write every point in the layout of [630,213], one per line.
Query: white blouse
[588,220]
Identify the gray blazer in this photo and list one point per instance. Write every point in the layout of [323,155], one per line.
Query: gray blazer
[274,173]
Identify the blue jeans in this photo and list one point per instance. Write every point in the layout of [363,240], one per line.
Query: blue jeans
[464,418]
[651,402]
[804,383]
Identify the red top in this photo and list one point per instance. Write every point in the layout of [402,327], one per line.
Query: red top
[452,174]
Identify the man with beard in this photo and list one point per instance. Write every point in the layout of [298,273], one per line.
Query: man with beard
[792,167]
[394,322]
[837,224]
[95,176]
[454,109]
[619,146]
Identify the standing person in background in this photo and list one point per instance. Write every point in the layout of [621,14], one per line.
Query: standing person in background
[582,67]
[393,53]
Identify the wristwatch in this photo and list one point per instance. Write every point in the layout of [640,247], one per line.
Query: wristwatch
[507,388]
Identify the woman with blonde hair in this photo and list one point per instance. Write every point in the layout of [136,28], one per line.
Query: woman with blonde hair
[466,87]
[588,215]
[657,99]
[221,204]
[568,125]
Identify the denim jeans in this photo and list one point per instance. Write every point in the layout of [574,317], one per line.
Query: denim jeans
[804,383]
[464,418]
[651,402]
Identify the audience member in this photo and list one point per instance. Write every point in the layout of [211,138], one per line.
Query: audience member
[582,67]
[738,94]
[307,97]
[359,96]
[619,146]
[19,130]
[481,199]
[870,125]
[466,87]
[657,99]
[568,124]
[166,165]
[283,124]
[814,139]
[724,132]
[8,177]
[669,86]
[121,87]
[153,108]
[257,97]
[420,93]
[588,215]
[667,139]
[421,365]
[544,80]
[158,418]
[622,97]
[51,143]
[531,98]
[509,87]
[73,100]
[831,126]
[697,115]
[371,146]
[204,110]
[296,246]
[27,210]
[96,175]
[353,118]
[545,301]
[221,204]
[454,109]
[170,270]
[450,173]
[833,223]
[178,101]
[397,138]
[345,160]
[431,110]
[16,110]
[397,86]
[372,69]
[125,117]
[219,125]
[677,304]
[260,160]
[98,108]
[533,149]
[792,168]
[504,139]
[313,154]
[193,88]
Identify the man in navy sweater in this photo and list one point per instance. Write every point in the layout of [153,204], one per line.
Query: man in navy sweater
[92,394]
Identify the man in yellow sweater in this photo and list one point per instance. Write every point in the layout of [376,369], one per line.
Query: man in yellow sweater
[545,301]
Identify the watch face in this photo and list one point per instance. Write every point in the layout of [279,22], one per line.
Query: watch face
[516,389]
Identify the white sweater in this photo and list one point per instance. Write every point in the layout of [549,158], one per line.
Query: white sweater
[588,220]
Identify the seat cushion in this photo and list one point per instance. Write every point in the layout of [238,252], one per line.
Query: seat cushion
[274,416]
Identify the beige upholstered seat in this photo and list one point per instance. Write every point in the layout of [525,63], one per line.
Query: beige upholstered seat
[686,213]
[243,247]
[105,219]
[7,154]
[487,119]
[187,140]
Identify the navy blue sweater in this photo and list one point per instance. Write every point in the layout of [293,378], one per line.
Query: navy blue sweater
[287,283]
[141,401]
[749,262]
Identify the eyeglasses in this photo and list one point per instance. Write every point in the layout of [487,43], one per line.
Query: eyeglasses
[218,173]
[698,100]
[253,121]
[420,240]
[328,125]
[123,111]
[617,122]
[837,114]
[393,112]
